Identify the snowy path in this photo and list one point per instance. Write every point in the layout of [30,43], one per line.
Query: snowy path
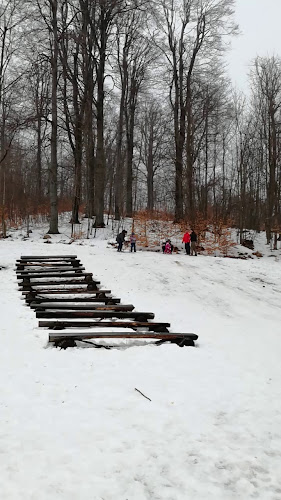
[74,428]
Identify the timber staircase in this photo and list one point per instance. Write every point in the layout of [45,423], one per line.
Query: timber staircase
[66,297]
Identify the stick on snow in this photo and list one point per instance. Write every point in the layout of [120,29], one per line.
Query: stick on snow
[143,394]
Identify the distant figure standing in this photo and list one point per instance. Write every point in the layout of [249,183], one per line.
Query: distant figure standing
[120,239]
[186,241]
[133,240]
[193,239]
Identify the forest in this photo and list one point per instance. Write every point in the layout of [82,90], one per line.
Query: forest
[121,106]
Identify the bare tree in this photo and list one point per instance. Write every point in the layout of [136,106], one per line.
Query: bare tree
[39,81]
[48,12]
[11,76]
[154,129]
[192,29]
[267,81]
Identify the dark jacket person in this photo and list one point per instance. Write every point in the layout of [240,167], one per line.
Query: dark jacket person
[120,239]
[193,242]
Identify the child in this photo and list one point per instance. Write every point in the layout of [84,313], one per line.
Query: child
[133,240]
[168,247]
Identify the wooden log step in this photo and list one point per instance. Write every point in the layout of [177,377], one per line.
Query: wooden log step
[47,257]
[55,336]
[46,265]
[49,263]
[61,291]
[27,285]
[82,307]
[137,316]
[81,300]
[60,325]
[70,274]
[47,272]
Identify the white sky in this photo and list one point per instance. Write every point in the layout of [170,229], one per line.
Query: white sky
[259,22]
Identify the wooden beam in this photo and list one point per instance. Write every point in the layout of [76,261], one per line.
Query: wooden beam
[137,316]
[70,274]
[48,271]
[55,336]
[60,325]
[47,257]
[47,265]
[62,291]
[27,284]
[71,300]
[82,307]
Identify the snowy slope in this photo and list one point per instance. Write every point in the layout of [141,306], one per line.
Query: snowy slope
[74,428]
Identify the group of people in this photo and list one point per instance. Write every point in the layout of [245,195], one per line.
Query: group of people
[189,240]
[121,238]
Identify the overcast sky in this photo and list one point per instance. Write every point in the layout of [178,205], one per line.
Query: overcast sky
[259,22]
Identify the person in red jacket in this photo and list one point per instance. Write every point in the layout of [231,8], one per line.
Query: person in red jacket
[186,241]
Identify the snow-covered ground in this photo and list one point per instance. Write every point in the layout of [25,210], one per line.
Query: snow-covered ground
[72,425]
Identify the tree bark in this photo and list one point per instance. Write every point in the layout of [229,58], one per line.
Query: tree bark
[53,169]
[100,156]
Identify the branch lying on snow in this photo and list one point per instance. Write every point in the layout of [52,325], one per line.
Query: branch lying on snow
[143,394]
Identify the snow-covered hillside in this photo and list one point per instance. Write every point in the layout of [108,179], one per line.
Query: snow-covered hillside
[73,427]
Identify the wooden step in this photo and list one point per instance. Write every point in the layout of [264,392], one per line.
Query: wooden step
[47,272]
[65,339]
[47,257]
[92,300]
[60,325]
[82,307]
[48,265]
[137,316]
[55,336]
[71,274]
[62,291]
[27,284]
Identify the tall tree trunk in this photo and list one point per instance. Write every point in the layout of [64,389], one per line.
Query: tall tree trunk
[118,171]
[150,170]
[39,160]
[150,191]
[78,124]
[90,159]
[100,161]
[206,168]
[77,175]
[88,80]
[53,170]
[272,171]
[179,130]
[189,160]
[135,82]
[130,152]
[100,156]
[242,185]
